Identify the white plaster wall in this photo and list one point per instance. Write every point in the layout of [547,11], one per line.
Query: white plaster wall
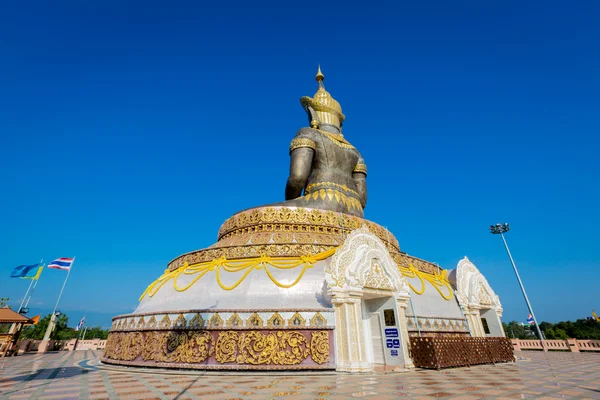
[256,291]
[431,303]
[493,321]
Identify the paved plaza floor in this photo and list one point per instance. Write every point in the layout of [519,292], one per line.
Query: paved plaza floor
[80,375]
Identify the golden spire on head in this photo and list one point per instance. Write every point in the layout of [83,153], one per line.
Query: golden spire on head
[320,75]
[328,110]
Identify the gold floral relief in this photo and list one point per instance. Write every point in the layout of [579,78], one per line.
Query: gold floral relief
[281,348]
[293,348]
[283,237]
[319,347]
[261,238]
[226,347]
[256,348]
[129,346]
[190,347]
[155,346]
[110,350]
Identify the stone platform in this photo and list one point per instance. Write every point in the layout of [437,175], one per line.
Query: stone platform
[79,375]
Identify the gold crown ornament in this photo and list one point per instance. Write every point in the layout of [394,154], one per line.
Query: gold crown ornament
[328,110]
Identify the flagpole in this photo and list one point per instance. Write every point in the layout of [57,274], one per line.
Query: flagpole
[63,286]
[27,292]
[24,297]
[35,285]
[79,328]
[53,317]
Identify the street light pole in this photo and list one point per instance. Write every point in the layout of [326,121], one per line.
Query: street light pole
[501,229]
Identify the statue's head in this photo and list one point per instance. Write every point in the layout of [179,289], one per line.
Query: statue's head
[322,109]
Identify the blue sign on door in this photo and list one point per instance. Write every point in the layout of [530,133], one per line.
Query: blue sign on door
[391,332]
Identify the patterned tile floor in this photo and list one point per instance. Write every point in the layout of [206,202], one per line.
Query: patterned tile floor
[79,375]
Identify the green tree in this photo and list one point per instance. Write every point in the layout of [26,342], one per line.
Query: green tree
[4,302]
[96,333]
[516,330]
[587,328]
[61,329]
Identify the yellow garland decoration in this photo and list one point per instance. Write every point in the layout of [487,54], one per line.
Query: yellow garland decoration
[246,265]
[437,280]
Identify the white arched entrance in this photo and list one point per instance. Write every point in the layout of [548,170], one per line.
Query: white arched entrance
[369,296]
[477,300]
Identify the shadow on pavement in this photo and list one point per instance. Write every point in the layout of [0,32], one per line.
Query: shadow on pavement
[55,373]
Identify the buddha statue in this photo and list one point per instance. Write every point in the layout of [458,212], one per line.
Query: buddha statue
[326,171]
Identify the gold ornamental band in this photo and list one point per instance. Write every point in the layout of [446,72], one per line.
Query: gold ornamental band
[331,185]
[361,168]
[302,142]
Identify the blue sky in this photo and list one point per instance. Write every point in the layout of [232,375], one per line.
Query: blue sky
[132,131]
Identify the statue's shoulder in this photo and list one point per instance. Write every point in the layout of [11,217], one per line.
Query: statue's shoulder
[308,133]
[305,137]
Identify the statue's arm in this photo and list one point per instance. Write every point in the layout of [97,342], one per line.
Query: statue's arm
[302,151]
[360,180]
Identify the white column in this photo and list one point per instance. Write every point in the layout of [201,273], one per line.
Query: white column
[349,337]
[401,304]
[499,311]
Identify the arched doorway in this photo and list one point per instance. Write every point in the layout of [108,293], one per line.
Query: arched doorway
[369,296]
[477,300]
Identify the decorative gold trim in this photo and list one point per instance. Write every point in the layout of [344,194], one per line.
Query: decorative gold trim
[302,142]
[152,322]
[254,321]
[318,321]
[279,218]
[276,320]
[296,320]
[234,321]
[215,321]
[224,310]
[180,322]
[338,140]
[165,322]
[334,195]
[361,168]
[331,185]
[197,321]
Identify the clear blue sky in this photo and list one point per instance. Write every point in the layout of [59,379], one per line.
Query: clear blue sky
[131,131]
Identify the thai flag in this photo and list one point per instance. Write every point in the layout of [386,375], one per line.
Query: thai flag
[80,325]
[61,263]
[530,319]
